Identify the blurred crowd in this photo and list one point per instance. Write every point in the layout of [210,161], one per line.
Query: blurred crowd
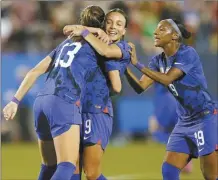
[36,26]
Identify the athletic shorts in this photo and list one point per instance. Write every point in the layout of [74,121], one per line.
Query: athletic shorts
[54,116]
[96,129]
[197,140]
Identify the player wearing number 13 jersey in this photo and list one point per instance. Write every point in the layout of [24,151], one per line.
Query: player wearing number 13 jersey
[180,70]
[56,108]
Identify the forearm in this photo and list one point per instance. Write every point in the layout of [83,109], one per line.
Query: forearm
[26,84]
[97,44]
[108,51]
[136,84]
[157,76]
[92,29]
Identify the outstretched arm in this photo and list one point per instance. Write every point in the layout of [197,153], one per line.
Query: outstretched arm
[10,109]
[138,85]
[31,77]
[165,79]
[109,51]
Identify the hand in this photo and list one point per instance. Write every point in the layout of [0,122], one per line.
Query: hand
[73,30]
[103,36]
[10,110]
[132,52]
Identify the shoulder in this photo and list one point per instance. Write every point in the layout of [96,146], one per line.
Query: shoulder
[156,58]
[187,51]
[123,44]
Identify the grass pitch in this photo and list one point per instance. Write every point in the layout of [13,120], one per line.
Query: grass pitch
[135,161]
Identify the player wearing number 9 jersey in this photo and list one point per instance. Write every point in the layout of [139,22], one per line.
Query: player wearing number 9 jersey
[56,108]
[97,112]
[179,68]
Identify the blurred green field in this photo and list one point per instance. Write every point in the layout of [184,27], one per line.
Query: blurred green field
[139,161]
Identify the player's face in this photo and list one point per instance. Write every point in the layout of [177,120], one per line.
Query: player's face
[163,34]
[115,26]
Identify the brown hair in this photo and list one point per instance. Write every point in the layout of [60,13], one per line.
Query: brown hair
[92,16]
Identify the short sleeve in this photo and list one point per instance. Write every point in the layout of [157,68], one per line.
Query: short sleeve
[112,65]
[185,61]
[52,54]
[124,47]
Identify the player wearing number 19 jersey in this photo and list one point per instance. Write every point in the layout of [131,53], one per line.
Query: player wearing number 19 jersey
[179,68]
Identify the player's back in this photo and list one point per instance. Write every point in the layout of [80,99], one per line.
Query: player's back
[70,63]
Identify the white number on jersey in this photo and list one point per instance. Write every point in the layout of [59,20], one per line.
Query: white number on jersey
[88,126]
[71,54]
[199,136]
[173,90]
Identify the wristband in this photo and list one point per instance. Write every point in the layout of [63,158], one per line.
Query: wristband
[85,32]
[139,66]
[15,100]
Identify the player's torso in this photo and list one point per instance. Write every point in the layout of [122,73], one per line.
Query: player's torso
[189,90]
[95,97]
[71,62]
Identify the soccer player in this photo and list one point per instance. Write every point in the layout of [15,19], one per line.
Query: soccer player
[97,120]
[56,108]
[180,70]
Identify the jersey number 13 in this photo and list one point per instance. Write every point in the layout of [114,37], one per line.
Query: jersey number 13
[68,58]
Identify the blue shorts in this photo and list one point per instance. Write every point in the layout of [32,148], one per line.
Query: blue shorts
[96,129]
[54,116]
[196,140]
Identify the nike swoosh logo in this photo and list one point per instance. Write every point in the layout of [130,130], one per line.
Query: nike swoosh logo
[200,149]
[86,137]
[177,63]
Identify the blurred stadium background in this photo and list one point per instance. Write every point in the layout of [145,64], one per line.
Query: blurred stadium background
[31,29]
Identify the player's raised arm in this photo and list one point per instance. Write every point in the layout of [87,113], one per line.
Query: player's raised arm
[108,51]
[98,32]
[165,79]
[138,85]
[10,109]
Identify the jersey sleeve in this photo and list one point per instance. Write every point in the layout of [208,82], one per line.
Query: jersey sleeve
[186,60]
[124,47]
[52,54]
[152,65]
[112,65]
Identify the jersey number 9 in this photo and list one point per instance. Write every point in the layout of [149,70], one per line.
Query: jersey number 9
[66,62]
[173,90]
[199,136]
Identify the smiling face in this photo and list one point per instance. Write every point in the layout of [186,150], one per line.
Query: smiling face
[164,34]
[115,26]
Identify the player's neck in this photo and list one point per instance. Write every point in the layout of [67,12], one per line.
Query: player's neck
[171,49]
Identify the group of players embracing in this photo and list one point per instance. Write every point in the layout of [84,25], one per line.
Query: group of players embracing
[73,112]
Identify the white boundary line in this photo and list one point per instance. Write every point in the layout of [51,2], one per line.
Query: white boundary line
[147,176]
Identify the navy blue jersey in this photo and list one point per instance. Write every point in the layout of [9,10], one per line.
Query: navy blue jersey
[97,94]
[190,90]
[70,63]
[122,63]
[95,97]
